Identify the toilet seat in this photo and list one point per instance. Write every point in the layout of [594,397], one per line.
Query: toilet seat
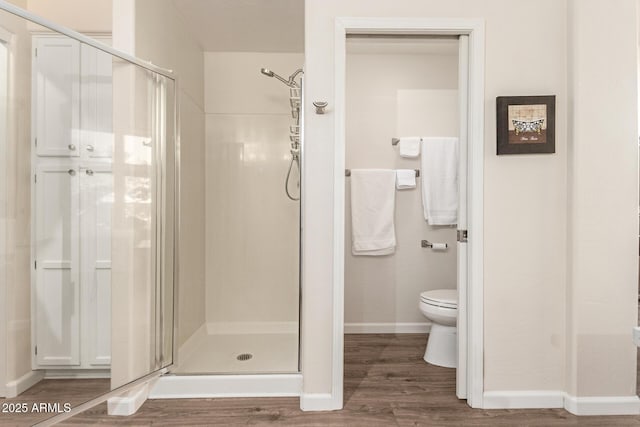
[445,298]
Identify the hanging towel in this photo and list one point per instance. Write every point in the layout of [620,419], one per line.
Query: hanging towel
[409,146]
[405,179]
[372,209]
[439,167]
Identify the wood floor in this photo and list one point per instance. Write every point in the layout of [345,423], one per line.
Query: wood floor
[58,392]
[386,384]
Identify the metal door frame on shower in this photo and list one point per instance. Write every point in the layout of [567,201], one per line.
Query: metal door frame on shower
[472,305]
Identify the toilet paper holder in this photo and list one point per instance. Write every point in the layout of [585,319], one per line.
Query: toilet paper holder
[428,244]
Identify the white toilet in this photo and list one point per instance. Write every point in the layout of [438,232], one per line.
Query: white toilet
[441,307]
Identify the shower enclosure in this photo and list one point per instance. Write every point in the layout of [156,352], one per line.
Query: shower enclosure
[248,332]
[89,175]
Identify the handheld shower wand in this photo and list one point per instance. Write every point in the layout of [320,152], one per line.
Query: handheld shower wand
[291,82]
[294,100]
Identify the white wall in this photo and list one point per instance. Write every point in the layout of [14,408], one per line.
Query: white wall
[391,94]
[251,226]
[15,215]
[525,196]
[603,179]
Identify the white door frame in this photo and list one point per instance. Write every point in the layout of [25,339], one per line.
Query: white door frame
[6,39]
[474,29]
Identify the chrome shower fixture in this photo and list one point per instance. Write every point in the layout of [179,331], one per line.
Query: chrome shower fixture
[291,82]
[295,101]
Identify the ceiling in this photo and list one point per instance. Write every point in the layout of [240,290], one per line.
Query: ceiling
[245,25]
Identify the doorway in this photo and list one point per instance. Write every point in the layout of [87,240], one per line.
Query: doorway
[470,345]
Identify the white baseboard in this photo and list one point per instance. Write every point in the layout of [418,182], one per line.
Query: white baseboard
[320,402]
[529,399]
[73,374]
[602,405]
[24,383]
[537,399]
[131,402]
[387,328]
[239,328]
[212,386]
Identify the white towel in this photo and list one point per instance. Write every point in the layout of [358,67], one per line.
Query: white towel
[405,178]
[410,146]
[439,171]
[372,209]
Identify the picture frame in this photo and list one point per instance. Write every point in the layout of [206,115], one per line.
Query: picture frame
[526,124]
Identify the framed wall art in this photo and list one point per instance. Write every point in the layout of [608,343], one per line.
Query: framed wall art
[526,124]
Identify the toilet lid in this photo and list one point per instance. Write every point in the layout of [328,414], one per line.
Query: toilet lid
[441,297]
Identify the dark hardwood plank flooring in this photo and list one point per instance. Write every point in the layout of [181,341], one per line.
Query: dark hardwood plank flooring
[386,384]
[74,392]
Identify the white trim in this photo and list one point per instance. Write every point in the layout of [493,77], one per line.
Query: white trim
[474,28]
[475,218]
[66,373]
[320,402]
[24,383]
[529,399]
[538,399]
[602,405]
[129,404]
[5,38]
[314,401]
[387,328]
[215,386]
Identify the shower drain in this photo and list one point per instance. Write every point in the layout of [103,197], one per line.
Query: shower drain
[244,356]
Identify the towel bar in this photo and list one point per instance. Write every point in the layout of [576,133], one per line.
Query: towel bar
[347,172]
[395,141]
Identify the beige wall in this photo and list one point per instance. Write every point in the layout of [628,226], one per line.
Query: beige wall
[86,16]
[603,179]
[560,281]
[390,95]
[252,227]
[525,196]
[16,180]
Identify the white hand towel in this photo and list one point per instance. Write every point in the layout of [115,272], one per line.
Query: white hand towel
[439,171]
[372,209]
[405,178]
[409,146]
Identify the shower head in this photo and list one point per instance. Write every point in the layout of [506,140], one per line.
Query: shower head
[291,82]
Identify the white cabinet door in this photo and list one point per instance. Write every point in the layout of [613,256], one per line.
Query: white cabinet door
[96,200]
[57,96]
[57,291]
[97,104]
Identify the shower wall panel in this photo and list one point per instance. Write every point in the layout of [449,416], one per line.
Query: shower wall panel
[252,228]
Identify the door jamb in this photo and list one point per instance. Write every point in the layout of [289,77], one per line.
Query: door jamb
[474,28]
